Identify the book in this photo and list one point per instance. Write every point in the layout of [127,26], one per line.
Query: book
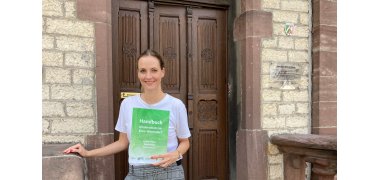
[149,134]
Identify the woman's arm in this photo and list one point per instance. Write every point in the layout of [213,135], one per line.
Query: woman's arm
[183,146]
[115,147]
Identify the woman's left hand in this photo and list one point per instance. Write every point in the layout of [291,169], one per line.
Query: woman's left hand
[167,159]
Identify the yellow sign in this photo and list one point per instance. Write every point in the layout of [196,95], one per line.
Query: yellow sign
[126,94]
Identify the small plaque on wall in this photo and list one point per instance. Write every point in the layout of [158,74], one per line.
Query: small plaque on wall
[285,72]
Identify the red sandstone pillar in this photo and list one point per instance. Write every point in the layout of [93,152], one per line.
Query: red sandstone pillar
[324,107]
[99,12]
[251,141]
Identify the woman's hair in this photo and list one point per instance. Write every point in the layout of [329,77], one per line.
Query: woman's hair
[150,52]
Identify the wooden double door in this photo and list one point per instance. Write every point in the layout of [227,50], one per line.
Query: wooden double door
[192,42]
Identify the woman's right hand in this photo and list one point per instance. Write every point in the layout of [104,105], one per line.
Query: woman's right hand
[77,148]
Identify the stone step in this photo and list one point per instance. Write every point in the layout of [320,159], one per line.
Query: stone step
[59,166]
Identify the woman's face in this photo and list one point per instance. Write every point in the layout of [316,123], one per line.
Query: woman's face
[150,73]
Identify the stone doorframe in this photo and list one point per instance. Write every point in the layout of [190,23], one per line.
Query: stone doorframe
[252,25]
[251,140]
[100,12]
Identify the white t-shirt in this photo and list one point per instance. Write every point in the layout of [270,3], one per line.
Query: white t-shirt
[178,124]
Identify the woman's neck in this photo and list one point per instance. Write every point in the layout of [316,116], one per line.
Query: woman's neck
[152,97]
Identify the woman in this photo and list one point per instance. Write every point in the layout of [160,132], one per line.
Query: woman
[165,165]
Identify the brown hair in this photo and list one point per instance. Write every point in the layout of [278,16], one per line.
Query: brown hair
[150,52]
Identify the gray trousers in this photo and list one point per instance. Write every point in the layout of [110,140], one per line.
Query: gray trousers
[149,172]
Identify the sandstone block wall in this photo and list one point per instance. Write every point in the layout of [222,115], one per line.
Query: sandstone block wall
[68,74]
[285,111]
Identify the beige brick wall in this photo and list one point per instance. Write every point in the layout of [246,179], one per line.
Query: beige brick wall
[68,74]
[285,111]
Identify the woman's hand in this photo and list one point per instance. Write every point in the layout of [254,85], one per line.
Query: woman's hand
[167,159]
[78,148]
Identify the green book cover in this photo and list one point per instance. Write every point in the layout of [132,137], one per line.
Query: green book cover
[149,134]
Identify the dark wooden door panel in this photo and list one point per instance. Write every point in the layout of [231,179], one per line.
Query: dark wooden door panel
[170,42]
[209,90]
[132,40]
[131,35]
